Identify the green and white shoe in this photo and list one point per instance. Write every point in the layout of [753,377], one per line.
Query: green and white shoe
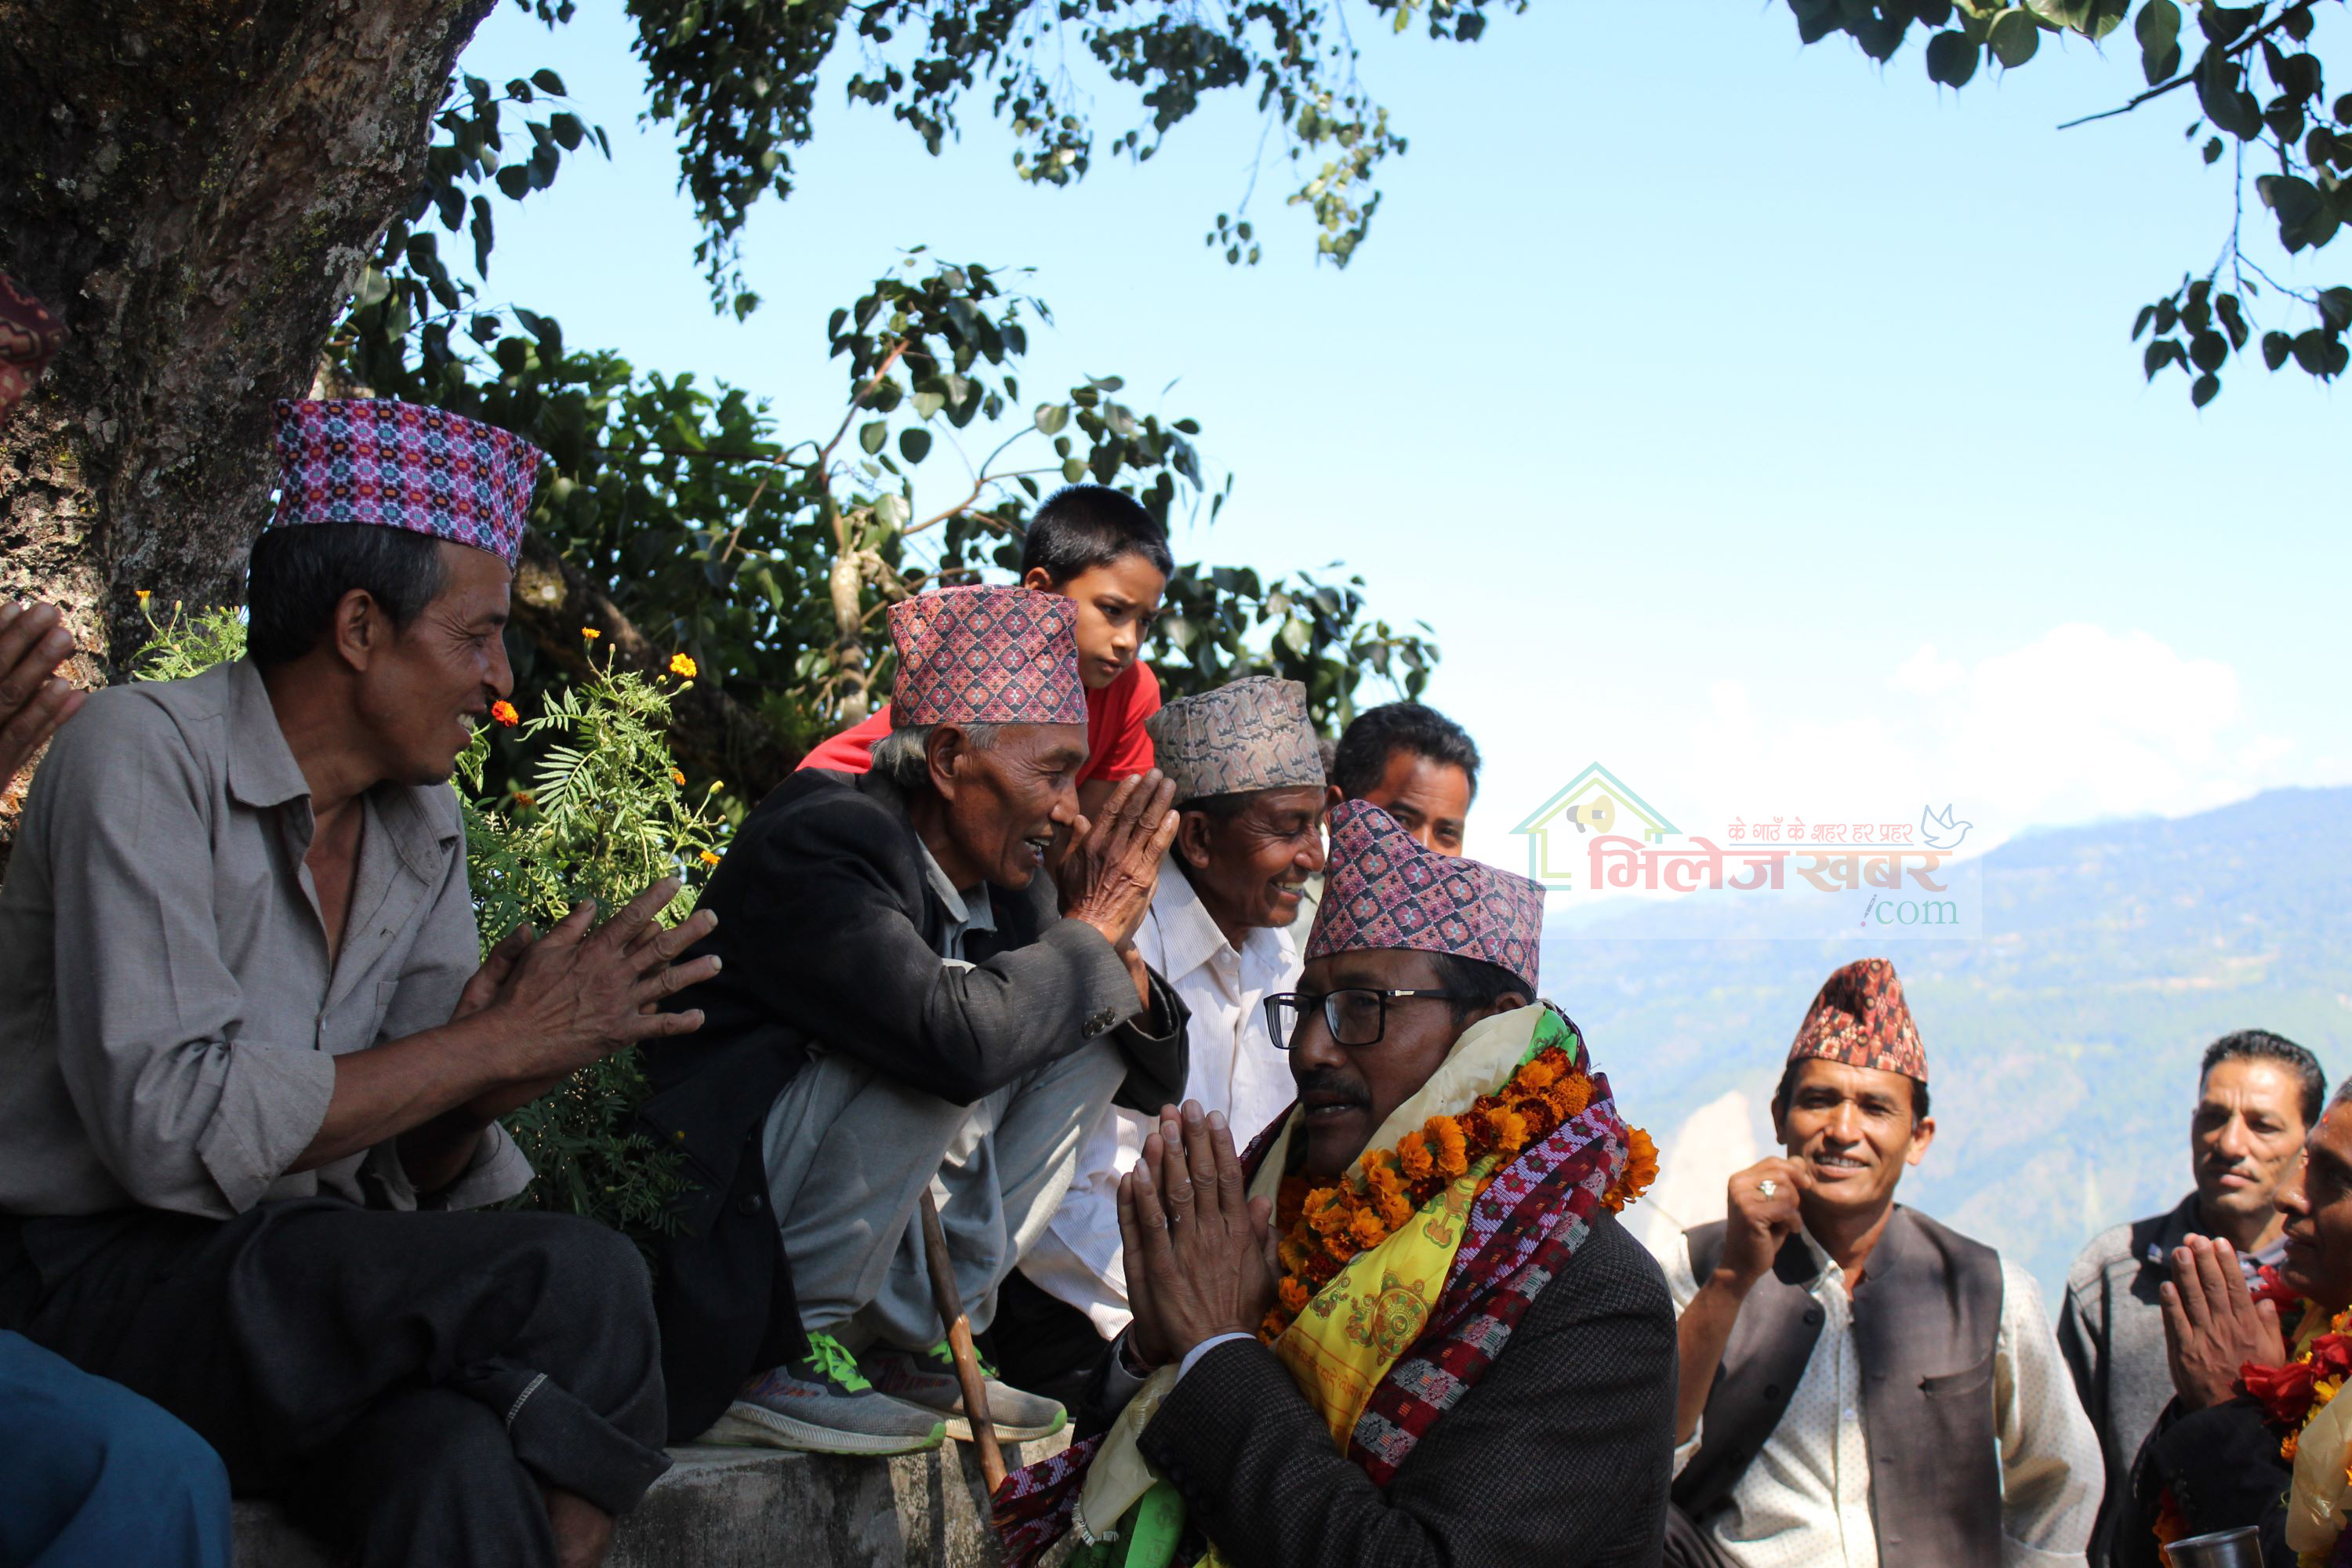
[927,1379]
[822,1405]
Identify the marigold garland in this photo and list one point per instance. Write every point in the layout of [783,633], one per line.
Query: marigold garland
[1324,1228]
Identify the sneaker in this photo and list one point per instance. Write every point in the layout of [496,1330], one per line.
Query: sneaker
[820,1405]
[927,1378]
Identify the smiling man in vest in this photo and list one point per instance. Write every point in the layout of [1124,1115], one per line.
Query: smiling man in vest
[1860,1385]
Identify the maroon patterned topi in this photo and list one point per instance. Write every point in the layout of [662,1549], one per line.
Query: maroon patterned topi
[1384,889]
[396,465]
[1861,1019]
[986,656]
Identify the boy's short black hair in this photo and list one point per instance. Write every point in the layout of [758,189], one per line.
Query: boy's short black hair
[1377,734]
[1081,527]
[297,575]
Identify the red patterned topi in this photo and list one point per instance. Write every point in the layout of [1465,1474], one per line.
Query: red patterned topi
[1861,1019]
[396,465]
[1384,889]
[986,656]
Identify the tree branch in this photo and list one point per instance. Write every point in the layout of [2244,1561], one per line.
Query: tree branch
[2184,77]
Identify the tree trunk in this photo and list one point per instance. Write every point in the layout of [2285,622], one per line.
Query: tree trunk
[190,185]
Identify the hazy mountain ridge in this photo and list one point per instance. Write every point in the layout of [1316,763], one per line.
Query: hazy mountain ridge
[2063,1043]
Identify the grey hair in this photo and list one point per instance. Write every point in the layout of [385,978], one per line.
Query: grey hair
[903,756]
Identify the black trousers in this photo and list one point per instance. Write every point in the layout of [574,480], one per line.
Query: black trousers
[405,1381]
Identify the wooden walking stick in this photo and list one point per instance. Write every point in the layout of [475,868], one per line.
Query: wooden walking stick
[967,1360]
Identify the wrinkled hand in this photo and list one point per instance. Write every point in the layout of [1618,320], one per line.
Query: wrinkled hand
[33,642]
[1198,1250]
[1755,1225]
[577,994]
[1112,867]
[2213,1325]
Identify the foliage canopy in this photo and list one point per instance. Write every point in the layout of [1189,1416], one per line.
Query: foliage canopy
[2261,96]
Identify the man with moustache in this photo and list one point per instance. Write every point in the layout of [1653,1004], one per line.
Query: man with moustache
[1861,1386]
[1455,1355]
[1248,781]
[2258,1095]
[2213,1461]
[910,1004]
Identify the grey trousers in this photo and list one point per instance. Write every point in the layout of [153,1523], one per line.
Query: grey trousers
[849,1150]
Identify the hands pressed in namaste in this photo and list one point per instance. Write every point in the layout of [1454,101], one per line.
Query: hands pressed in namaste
[2213,1325]
[1199,1249]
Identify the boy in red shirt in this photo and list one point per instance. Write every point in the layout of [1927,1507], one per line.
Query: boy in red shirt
[1100,549]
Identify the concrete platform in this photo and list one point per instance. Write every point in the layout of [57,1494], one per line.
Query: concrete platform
[751,1508]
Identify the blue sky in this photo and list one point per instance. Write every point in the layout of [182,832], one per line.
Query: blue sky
[1750,419]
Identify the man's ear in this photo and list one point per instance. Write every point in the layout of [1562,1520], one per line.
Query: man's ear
[1192,839]
[1780,1121]
[1038,579]
[1509,1002]
[1331,796]
[945,750]
[1923,1133]
[360,629]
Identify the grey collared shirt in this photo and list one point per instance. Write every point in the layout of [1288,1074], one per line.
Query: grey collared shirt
[966,912]
[168,1017]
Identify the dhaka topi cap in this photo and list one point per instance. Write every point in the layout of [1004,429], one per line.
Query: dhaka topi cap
[29,338]
[986,656]
[397,464]
[1251,734]
[1383,888]
[1861,1019]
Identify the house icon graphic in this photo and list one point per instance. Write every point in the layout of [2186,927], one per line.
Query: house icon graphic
[1595,801]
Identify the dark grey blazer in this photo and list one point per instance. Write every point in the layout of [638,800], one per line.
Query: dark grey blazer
[1560,1455]
[828,929]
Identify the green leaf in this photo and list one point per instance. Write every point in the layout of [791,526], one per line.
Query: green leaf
[1051,417]
[2014,36]
[871,437]
[914,443]
[2157,28]
[2213,150]
[2207,350]
[1073,470]
[928,404]
[2276,346]
[1952,60]
[548,82]
[2201,390]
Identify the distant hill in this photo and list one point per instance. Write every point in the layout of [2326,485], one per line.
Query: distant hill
[2063,1043]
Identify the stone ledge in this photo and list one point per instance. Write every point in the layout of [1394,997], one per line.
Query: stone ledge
[752,1508]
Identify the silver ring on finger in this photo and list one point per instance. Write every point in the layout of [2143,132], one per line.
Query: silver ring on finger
[1768,1187]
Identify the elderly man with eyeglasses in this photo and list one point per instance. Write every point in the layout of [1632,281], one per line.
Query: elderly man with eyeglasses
[1249,792]
[1445,1350]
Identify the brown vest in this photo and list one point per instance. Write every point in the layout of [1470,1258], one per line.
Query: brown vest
[1924,1319]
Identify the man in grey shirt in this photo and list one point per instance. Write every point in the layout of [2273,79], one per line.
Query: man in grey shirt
[247,1034]
[2258,1095]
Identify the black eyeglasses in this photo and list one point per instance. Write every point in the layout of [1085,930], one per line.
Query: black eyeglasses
[1356,1014]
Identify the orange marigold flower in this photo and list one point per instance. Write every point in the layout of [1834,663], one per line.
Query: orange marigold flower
[1365,1227]
[683,666]
[1510,1131]
[2287,1447]
[1453,1154]
[1291,1293]
[1291,1253]
[144,595]
[1538,1073]
[1412,1153]
[678,778]
[525,799]
[505,714]
[589,632]
[709,858]
[1324,1211]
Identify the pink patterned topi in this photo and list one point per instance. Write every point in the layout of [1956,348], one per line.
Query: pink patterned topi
[1384,889]
[986,656]
[396,465]
[1861,1019]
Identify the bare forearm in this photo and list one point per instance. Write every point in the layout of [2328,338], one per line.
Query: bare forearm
[1700,1334]
[414,1088]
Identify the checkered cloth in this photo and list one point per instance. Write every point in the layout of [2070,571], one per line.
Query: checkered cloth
[986,656]
[396,465]
[1384,889]
[1861,1019]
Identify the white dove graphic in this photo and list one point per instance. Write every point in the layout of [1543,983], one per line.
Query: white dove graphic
[1939,830]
